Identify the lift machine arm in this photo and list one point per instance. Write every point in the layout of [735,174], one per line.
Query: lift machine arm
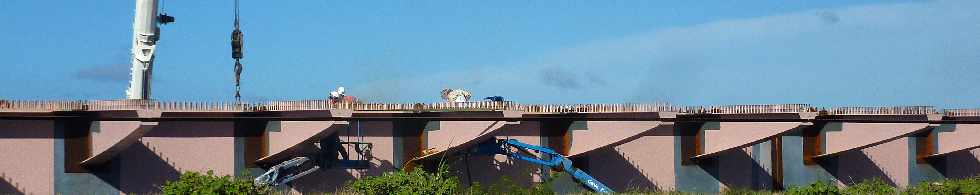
[522,151]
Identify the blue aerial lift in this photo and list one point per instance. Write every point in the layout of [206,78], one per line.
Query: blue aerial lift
[522,151]
[285,172]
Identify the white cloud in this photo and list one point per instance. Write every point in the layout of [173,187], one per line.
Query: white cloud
[910,53]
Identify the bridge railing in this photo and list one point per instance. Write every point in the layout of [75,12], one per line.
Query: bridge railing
[894,110]
[441,106]
[218,106]
[292,105]
[42,105]
[596,108]
[750,109]
[107,105]
[961,112]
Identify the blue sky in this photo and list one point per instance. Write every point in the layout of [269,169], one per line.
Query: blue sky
[856,52]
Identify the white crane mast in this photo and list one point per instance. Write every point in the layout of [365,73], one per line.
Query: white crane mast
[145,35]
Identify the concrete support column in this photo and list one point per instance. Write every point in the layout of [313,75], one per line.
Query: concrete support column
[251,144]
[409,139]
[691,175]
[72,145]
[776,162]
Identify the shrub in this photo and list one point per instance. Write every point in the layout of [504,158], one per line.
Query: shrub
[197,183]
[817,188]
[874,186]
[744,191]
[475,188]
[507,186]
[954,186]
[442,181]
[416,181]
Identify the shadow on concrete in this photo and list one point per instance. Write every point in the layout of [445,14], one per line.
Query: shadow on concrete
[487,170]
[322,181]
[489,133]
[617,171]
[107,172]
[741,171]
[192,129]
[7,188]
[379,167]
[518,130]
[659,130]
[856,167]
[367,129]
[958,165]
[142,171]
[326,179]
[25,133]
[490,127]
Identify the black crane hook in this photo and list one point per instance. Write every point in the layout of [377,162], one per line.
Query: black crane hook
[236,53]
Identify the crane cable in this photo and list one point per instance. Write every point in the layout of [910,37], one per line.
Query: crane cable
[236,14]
[236,53]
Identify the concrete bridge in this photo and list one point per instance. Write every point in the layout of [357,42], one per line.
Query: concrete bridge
[135,146]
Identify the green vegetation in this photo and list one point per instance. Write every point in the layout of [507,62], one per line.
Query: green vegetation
[879,187]
[650,193]
[871,186]
[197,183]
[816,188]
[953,186]
[743,191]
[507,186]
[442,181]
[408,182]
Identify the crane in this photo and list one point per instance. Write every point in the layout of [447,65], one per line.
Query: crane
[236,53]
[146,33]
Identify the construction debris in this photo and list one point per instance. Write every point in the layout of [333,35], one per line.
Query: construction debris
[456,95]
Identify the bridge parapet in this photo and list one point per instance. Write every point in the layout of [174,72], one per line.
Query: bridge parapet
[298,105]
[962,112]
[111,105]
[220,106]
[751,109]
[895,110]
[42,106]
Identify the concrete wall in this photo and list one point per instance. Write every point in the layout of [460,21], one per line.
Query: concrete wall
[27,162]
[960,164]
[174,147]
[893,161]
[487,170]
[748,167]
[646,163]
[591,135]
[887,161]
[379,134]
[34,157]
